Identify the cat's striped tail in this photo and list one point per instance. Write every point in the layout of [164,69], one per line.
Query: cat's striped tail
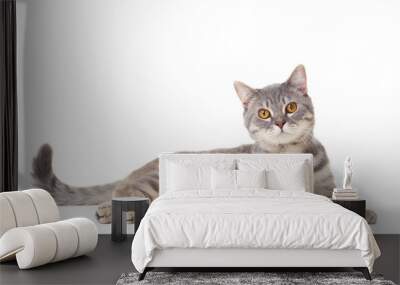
[64,194]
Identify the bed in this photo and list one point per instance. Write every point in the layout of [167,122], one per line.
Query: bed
[245,211]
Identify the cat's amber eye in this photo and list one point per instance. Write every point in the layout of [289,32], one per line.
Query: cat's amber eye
[264,114]
[291,107]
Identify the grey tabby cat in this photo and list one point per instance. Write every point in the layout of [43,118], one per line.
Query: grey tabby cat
[279,118]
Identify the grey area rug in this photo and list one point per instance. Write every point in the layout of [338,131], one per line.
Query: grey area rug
[269,278]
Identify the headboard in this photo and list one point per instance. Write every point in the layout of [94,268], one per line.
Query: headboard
[211,159]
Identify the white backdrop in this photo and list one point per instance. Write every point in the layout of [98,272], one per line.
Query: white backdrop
[110,84]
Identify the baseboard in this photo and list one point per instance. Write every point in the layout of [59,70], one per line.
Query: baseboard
[89,212]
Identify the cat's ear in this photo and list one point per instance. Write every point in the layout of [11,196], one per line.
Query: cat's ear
[298,79]
[243,91]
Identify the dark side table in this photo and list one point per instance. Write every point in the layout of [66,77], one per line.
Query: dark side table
[357,206]
[121,205]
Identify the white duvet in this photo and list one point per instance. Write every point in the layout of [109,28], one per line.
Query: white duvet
[250,219]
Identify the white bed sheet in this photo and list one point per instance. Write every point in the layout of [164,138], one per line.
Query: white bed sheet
[251,218]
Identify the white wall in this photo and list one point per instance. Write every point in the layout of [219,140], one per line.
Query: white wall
[110,84]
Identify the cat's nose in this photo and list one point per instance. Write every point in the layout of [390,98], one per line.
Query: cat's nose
[280,123]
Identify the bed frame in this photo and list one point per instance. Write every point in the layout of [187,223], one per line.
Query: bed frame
[261,259]
[245,259]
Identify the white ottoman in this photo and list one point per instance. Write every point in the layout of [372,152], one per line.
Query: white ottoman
[37,245]
[31,233]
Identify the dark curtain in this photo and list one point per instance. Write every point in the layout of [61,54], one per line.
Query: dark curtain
[8,92]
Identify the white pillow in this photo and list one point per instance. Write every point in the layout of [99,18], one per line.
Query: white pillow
[193,173]
[236,179]
[223,179]
[251,178]
[293,179]
[281,174]
[186,177]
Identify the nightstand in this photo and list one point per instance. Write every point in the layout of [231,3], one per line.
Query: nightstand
[124,204]
[357,206]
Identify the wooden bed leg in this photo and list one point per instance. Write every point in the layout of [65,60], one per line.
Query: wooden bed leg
[143,274]
[364,271]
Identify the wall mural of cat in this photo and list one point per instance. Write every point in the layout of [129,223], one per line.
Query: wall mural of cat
[278,117]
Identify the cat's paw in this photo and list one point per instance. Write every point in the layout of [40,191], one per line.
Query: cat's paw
[103,213]
[104,220]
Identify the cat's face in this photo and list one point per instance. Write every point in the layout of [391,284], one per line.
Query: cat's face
[278,114]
